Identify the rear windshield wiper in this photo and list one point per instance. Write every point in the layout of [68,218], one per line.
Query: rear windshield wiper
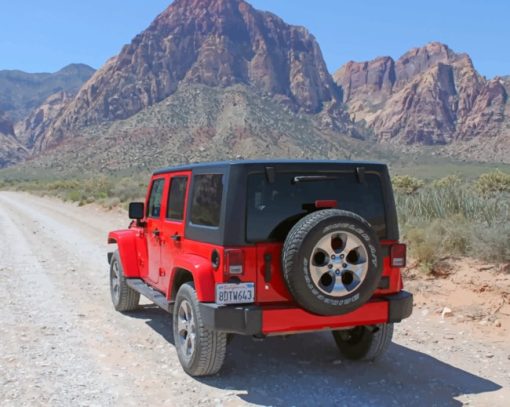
[312,178]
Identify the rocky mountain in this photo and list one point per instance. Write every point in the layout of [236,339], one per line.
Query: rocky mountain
[429,96]
[212,79]
[21,92]
[33,127]
[11,150]
[217,43]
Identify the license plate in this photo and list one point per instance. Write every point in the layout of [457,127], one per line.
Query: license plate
[242,293]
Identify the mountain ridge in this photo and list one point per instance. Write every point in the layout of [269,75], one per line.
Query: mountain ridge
[430,96]
[23,91]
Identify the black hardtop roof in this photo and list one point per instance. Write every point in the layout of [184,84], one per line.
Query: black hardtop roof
[217,164]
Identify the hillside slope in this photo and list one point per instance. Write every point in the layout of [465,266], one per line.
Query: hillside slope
[197,123]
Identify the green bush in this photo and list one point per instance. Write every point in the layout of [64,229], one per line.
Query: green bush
[406,184]
[493,182]
[447,182]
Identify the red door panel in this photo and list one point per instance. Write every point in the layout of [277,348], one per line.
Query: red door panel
[172,226]
[154,213]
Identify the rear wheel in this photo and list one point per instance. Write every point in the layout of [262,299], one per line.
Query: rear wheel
[364,342]
[124,298]
[200,350]
[332,262]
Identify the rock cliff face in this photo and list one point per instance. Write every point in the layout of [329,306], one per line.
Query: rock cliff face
[217,43]
[431,96]
[30,130]
[11,150]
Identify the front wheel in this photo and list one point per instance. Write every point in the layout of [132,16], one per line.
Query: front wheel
[124,298]
[200,350]
[364,342]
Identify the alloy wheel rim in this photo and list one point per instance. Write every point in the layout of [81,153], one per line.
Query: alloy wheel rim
[186,329]
[339,264]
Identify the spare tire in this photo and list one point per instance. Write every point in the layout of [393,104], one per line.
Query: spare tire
[332,262]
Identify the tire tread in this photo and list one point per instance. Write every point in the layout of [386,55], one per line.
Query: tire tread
[211,345]
[296,237]
[129,298]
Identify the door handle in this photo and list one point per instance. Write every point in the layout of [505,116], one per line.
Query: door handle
[176,238]
[156,233]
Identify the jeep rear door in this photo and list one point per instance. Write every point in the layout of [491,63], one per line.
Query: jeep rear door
[274,207]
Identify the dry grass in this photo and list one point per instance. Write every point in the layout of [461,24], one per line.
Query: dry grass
[450,217]
[107,191]
[445,217]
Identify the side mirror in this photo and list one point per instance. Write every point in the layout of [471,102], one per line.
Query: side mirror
[136,210]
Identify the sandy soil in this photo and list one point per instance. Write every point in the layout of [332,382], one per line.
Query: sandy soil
[61,342]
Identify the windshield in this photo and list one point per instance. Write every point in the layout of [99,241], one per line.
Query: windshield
[273,208]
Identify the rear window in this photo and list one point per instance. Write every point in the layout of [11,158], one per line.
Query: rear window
[176,198]
[273,208]
[206,203]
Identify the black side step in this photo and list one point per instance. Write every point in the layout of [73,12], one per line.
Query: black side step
[153,295]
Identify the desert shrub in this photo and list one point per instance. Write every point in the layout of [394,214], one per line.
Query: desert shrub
[429,242]
[111,203]
[441,203]
[100,187]
[106,190]
[406,184]
[492,244]
[493,182]
[422,247]
[73,195]
[129,189]
[451,217]
[447,182]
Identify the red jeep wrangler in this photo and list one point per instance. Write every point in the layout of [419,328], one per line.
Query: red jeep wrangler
[265,248]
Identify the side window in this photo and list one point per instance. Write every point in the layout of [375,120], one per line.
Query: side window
[176,198]
[154,207]
[206,203]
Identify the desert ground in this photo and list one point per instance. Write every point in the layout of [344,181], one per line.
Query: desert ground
[62,343]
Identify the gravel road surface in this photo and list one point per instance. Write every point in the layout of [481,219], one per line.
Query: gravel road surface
[62,344]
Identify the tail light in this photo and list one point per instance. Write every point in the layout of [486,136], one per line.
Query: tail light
[234,262]
[398,254]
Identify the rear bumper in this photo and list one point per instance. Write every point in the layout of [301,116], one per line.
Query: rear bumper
[266,320]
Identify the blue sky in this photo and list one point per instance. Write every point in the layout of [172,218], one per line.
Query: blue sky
[43,36]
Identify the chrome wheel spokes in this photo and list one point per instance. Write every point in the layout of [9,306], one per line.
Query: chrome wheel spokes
[339,263]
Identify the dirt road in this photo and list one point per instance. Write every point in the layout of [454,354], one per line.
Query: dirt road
[61,342]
